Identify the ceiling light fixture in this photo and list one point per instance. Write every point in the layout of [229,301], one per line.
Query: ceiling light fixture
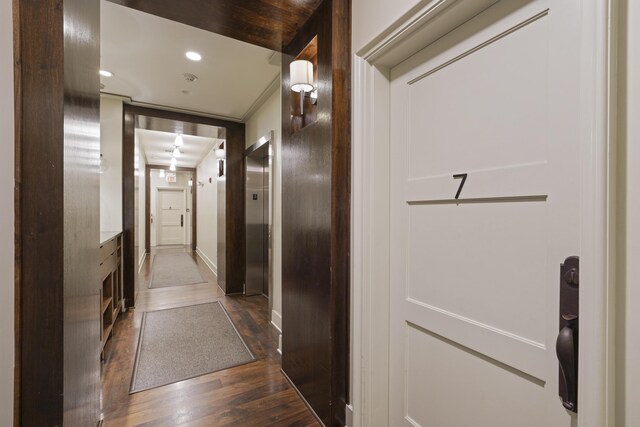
[172,168]
[194,56]
[179,142]
[176,152]
[105,73]
[174,161]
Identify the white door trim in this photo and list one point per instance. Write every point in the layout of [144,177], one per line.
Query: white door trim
[370,205]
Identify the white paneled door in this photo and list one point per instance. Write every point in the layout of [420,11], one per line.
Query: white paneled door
[475,279]
[171,217]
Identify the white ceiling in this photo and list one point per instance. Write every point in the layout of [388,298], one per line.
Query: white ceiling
[146,54]
[157,147]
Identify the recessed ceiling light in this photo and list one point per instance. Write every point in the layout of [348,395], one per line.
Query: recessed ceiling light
[105,73]
[194,56]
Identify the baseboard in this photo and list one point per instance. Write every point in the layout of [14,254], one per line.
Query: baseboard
[276,320]
[349,416]
[207,261]
[141,262]
[279,349]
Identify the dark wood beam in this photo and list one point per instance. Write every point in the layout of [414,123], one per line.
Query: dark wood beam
[267,23]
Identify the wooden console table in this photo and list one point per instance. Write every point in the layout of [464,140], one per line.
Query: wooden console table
[111,277]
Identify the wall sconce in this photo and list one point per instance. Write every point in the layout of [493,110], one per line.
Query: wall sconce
[301,78]
[220,153]
[190,182]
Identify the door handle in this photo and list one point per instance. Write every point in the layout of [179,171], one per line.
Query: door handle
[567,341]
[181,220]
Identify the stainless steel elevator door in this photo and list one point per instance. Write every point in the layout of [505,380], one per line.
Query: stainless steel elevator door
[257,222]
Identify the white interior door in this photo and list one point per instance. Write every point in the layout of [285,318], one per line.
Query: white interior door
[475,280]
[171,217]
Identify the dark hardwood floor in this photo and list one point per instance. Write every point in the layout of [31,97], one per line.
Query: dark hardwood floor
[256,394]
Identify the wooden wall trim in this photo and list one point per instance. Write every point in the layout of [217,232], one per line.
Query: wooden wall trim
[340,207]
[39,181]
[17,73]
[129,261]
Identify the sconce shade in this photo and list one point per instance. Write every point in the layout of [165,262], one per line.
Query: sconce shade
[220,153]
[301,77]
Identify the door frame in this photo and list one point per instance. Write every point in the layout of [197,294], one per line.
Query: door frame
[147,203]
[184,200]
[234,227]
[370,274]
[266,139]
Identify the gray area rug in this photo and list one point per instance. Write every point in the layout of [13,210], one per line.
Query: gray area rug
[174,270]
[186,342]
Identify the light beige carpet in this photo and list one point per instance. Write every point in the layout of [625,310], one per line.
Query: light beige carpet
[174,270]
[186,342]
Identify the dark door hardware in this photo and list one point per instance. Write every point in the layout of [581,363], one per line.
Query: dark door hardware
[464,178]
[567,341]
[181,220]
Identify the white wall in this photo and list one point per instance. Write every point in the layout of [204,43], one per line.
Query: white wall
[7,217]
[264,120]
[628,220]
[182,179]
[141,163]
[111,150]
[208,210]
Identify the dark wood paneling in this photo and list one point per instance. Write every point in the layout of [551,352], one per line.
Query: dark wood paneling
[82,333]
[235,230]
[40,71]
[57,146]
[340,207]
[316,212]
[129,260]
[267,23]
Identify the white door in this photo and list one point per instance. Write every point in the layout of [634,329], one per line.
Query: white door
[171,217]
[475,280]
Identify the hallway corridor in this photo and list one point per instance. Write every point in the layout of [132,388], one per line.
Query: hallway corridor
[254,394]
